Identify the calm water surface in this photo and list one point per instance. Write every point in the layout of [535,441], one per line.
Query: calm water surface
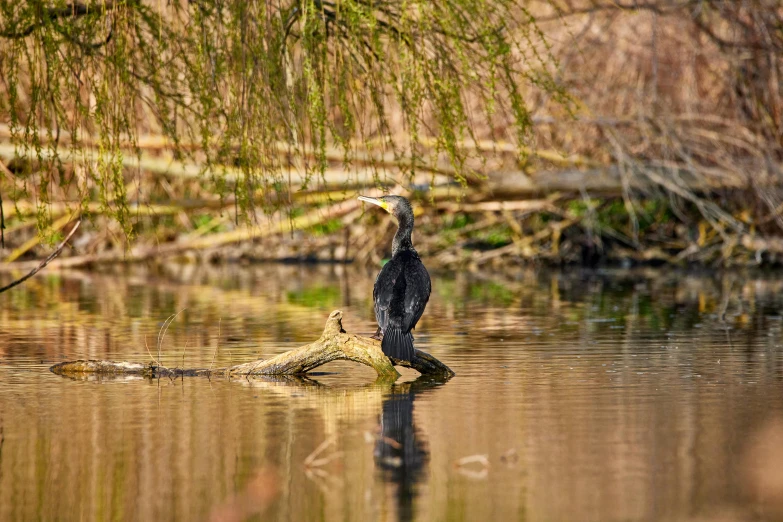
[592,396]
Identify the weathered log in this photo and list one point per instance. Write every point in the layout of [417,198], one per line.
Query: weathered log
[333,345]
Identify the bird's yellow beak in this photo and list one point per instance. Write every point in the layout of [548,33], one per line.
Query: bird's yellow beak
[375,201]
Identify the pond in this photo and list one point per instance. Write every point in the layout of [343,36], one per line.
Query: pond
[579,395]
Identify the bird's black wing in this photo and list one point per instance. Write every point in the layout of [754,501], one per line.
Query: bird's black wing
[383,291]
[417,292]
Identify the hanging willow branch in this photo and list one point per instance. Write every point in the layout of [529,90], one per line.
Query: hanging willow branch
[241,77]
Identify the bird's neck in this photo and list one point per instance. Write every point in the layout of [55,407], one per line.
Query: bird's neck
[402,239]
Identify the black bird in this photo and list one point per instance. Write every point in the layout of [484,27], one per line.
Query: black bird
[402,287]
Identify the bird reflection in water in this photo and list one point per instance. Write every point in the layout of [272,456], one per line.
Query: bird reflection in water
[401,451]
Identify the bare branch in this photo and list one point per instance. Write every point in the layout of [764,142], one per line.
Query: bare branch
[51,14]
[46,261]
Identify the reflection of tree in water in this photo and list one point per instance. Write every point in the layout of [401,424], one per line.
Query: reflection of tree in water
[401,451]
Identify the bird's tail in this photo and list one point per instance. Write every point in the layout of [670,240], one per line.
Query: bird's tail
[397,344]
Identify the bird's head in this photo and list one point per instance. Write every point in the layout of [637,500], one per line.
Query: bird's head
[395,205]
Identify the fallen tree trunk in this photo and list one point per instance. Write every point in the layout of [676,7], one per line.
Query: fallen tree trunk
[607,180]
[333,345]
[565,174]
[246,233]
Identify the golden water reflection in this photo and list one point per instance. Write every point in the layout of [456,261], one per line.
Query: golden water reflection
[590,395]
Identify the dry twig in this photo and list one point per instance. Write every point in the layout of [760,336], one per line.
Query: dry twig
[46,261]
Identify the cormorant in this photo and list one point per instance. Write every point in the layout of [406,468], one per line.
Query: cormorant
[402,287]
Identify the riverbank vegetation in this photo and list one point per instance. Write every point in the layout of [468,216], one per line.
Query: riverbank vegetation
[573,131]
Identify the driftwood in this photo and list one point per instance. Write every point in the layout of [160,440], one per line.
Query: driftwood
[333,345]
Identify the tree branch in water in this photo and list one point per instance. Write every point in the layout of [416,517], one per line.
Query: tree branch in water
[333,345]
